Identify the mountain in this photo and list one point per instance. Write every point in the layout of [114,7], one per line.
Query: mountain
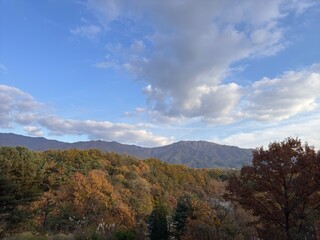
[202,154]
[197,154]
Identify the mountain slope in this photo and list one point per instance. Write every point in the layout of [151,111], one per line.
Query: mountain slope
[202,154]
[198,154]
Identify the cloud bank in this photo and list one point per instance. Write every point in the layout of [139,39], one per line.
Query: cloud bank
[17,106]
[304,128]
[285,96]
[190,49]
[20,108]
[186,53]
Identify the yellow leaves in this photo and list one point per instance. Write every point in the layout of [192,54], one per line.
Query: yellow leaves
[120,194]
[91,193]
[143,166]
[219,187]
[204,212]
[202,224]
[119,178]
[45,208]
[123,215]
[123,169]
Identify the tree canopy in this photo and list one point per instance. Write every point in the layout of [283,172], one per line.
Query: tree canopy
[281,188]
[90,192]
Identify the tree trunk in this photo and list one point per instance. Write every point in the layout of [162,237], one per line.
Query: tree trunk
[287,227]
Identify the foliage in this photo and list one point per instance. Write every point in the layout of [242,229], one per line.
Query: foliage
[98,195]
[19,185]
[281,188]
[90,195]
[183,213]
[125,235]
[158,224]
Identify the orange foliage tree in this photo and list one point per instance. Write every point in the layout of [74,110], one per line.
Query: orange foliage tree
[281,188]
[91,195]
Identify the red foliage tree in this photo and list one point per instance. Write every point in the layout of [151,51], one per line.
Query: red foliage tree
[281,188]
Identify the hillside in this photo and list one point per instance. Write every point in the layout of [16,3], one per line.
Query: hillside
[197,154]
[87,194]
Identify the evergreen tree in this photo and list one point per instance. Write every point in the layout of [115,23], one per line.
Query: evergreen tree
[19,184]
[158,224]
[182,214]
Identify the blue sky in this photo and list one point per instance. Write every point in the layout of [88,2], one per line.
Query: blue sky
[154,72]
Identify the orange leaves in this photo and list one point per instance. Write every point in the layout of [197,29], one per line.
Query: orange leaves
[91,194]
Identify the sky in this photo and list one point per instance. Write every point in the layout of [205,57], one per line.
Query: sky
[150,73]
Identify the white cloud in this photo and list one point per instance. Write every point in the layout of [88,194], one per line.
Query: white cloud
[301,6]
[121,132]
[189,52]
[88,31]
[33,131]
[285,96]
[105,64]
[138,111]
[304,128]
[18,107]
[266,100]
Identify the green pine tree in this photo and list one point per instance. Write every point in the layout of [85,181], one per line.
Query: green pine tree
[158,224]
[182,214]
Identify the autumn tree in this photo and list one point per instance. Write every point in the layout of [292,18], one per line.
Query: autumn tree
[87,190]
[92,194]
[281,188]
[201,224]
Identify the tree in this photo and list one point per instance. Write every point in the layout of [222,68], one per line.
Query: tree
[158,224]
[182,215]
[201,224]
[281,188]
[91,194]
[19,184]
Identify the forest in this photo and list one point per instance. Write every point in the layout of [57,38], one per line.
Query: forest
[89,194]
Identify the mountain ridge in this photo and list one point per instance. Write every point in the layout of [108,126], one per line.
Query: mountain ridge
[196,154]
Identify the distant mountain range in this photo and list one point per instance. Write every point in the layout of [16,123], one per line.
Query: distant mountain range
[196,154]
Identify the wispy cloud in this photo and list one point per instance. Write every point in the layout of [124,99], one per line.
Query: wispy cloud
[105,64]
[87,31]
[304,128]
[105,130]
[18,107]
[3,68]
